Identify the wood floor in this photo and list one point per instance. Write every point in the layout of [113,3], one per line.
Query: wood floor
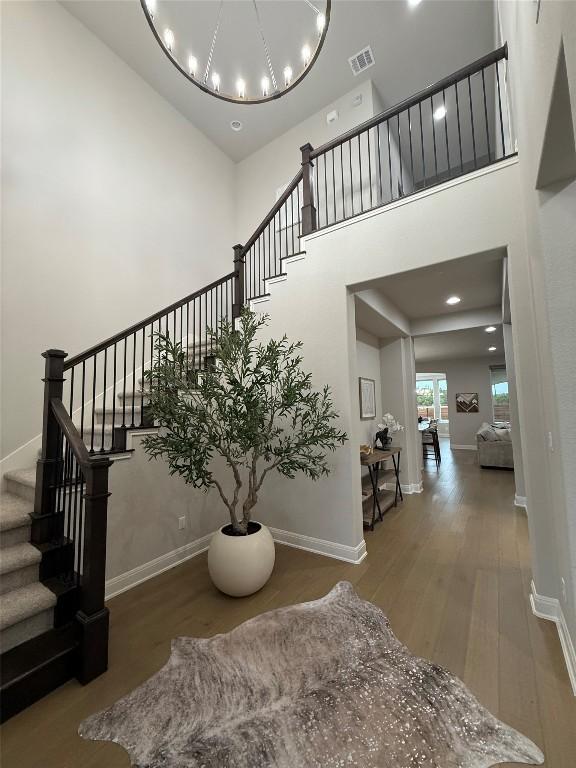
[451,569]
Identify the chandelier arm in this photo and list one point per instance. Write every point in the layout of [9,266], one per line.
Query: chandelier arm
[214,36]
[311,5]
[265,44]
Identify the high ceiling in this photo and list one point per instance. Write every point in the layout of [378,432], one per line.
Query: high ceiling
[412,47]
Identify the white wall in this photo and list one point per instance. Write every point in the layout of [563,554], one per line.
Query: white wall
[544,314]
[368,365]
[109,204]
[466,375]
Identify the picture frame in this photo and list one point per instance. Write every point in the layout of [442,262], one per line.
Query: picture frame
[367,395]
[467,402]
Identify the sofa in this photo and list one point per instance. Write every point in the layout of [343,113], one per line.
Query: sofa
[494,445]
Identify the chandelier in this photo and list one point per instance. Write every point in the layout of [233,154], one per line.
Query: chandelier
[269,55]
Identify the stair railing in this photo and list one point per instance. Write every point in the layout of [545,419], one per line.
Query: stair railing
[451,128]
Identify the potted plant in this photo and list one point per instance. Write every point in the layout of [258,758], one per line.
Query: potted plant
[255,408]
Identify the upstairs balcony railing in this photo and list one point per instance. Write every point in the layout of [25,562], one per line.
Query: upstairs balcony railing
[93,399]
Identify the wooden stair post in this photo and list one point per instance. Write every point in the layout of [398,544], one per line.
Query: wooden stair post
[308,207]
[93,616]
[45,524]
[239,293]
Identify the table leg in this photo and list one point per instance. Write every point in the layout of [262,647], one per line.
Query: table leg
[398,489]
[373,472]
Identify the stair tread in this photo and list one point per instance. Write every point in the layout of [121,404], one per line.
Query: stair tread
[18,556]
[26,476]
[22,603]
[14,511]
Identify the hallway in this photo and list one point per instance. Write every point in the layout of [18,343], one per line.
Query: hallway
[450,567]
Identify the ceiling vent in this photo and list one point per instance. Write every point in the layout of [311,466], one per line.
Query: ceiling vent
[362,60]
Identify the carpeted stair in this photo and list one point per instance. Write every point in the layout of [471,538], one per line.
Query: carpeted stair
[26,606]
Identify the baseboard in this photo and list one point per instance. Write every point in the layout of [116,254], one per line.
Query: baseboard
[141,573]
[464,447]
[343,552]
[406,487]
[549,608]
[520,501]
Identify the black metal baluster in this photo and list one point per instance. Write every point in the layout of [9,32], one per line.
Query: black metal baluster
[292,221]
[497,67]
[360,175]
[422,140]
[194,333]
[83,398]
[93,403]
[285,206]
[446,133]
[351,176]
[334,187]
[187,338]
[124,388]
[380,193]
[342,175]
[400,156]
[390,160]
[486,117]
[316,191]
[369,166]
[205,351]
[459,129]
[134,374]
[325,189]
[472,123]
[434,139]
[142,377]
[410,144]
[114,398]
[104,399]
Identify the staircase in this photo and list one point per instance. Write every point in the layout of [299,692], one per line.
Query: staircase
[53,619]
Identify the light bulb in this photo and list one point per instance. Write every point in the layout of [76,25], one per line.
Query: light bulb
[151,7]
[490,329]
[216,81]
[192,65]
[265,85]
[306,55]
[169,39]
[440,112]
[320,23]
[453,300]
[491,349]
[241,88]
[287,75]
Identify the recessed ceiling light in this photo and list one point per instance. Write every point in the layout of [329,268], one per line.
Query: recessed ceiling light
[453,300]
[414,3]
[236,125]
[169,39]
[491,349]
[440,112]
[490,329]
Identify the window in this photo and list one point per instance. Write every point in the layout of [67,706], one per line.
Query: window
[500,397]
[432,396]
[425,398]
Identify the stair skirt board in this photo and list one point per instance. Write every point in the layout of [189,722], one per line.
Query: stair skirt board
[125,581]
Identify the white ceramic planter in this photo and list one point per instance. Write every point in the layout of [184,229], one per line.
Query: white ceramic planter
[241,565]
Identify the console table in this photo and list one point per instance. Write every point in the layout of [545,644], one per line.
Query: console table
[389,498]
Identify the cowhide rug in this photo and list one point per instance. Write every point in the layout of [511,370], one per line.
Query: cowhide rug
[317,685]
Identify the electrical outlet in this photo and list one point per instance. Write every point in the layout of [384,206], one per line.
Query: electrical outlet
[563,588]
[181,523]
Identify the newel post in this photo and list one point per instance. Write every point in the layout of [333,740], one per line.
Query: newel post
[93,616]
[308,207]
[239,294]
[48,465]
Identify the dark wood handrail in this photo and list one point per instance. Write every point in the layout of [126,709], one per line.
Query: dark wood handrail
[72,435]
[273,211]
[101,346]
[426,93]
